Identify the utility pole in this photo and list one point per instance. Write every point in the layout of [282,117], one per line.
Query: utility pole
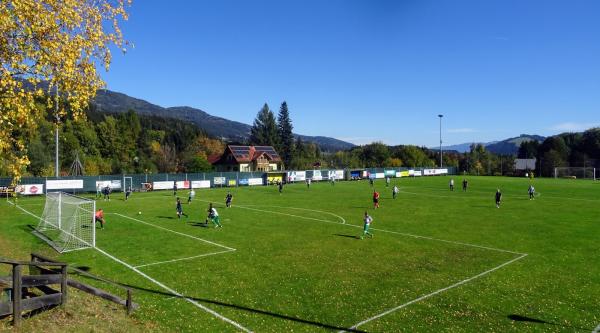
[56,170]
[440,115]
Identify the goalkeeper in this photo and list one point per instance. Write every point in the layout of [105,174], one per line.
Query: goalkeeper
[99,217]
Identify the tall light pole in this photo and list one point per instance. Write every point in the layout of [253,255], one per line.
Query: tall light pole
[440,115]
[56,169]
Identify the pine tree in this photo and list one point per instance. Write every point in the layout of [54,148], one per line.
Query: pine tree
[264,128]
[286,137]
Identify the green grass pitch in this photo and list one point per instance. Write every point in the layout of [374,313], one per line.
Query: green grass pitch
[438,261]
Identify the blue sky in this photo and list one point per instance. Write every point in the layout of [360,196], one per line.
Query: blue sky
[367,71]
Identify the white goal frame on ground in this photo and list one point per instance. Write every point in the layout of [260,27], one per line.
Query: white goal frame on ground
[578,172]
[72,217]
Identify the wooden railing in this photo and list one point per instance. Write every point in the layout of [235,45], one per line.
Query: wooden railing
[127,302]
[17,287]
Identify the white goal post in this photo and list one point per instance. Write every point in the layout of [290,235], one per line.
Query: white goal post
[575,172]
[127,182]
[68,222]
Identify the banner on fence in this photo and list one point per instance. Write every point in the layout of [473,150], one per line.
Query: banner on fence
[243,181]
[379,175]
[337,174]
[274,179]
[435,172]
[113,184]
[219,181]
[231,183]
[402,173]
[390,173]
[165,185]
[317,175]
[255,181]
[296,176]
[64,184]
[183,184]
[30,189]
[200,183]
[417,173]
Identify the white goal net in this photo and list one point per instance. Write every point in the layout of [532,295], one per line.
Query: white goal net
[68,222]
[575,173]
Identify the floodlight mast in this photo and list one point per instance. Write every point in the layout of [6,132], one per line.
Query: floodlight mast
[441,116]
[56,171]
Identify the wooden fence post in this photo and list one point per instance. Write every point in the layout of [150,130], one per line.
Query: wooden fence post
[17,295]
[129,302]
[63,285]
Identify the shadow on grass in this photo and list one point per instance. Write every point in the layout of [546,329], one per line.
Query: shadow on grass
[516,317]
[247,309]
[347,236]
[197,224]
[165,217]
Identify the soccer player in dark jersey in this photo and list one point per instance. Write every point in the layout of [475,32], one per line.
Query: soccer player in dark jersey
[280,186]
[179,209]
[498,198]
[127,193]
[375,199]
[228,199]
[174,188]
[465,184]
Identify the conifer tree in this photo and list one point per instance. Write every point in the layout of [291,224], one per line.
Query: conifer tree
[286,137]
[264,128]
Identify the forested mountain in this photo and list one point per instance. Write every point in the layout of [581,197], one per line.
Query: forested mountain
[564,150]
[511,146]
[114,102]
[505,147]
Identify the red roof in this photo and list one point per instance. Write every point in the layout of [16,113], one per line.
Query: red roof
[212,159]
[246,154]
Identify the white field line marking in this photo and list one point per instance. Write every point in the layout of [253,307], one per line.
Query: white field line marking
[388,231]
[486,192]
[280,213]
[436,292]
[175,293]
[306,209]
[180,259]
[162,285]
[596,330]
[177,232]
[447,241]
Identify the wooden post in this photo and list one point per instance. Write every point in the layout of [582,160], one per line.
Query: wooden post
[129,302]
[63,285]
[17,295]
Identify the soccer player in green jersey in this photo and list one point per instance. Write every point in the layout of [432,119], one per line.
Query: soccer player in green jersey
[367,220]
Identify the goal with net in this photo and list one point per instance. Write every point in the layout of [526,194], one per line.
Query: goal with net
[575,173]
[67,223]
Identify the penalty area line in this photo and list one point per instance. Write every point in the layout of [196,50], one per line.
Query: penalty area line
[175,293]
[177,232]
[436,292]
[186,258]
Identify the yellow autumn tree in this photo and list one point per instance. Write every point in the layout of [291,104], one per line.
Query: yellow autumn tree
[45,44]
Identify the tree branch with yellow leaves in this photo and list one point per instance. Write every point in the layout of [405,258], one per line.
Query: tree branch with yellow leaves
[56,42]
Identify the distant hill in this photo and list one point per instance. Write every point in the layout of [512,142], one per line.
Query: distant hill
[228,130]
[505,147]
[511,146]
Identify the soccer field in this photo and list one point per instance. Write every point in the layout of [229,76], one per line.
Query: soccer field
[438,261]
